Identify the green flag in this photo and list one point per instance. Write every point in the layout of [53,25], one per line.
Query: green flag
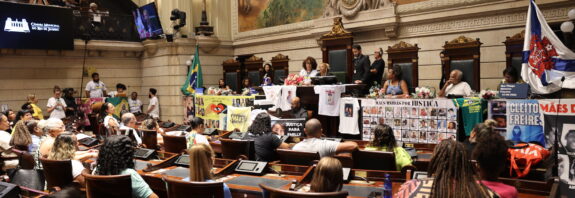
[194,79]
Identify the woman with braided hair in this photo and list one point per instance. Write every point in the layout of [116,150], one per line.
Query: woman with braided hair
[117,158]
[450,175]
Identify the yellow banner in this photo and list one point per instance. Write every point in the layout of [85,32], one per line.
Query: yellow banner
[238,118]
[214,109]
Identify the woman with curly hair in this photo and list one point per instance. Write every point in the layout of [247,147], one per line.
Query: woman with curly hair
[117,158]
[384,140]
[267,142]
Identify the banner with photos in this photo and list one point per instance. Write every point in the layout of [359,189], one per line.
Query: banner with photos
[518,120]
[559,119]
[413,121]
[214,109]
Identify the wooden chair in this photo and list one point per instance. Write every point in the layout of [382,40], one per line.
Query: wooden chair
[234,149]
[150,139]
[25,159]
[108,186]
[270,192]
[183,189]
[346,161]
[374,160]
[174,144]
[544,188]
[58,173]
[297,157]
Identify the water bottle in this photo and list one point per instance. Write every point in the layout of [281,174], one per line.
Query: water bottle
[387,186]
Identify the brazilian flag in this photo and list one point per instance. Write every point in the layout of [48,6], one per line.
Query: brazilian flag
[121,105]
[194,79]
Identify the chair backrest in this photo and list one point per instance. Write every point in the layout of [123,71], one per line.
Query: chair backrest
[184,189]
[234,149]
[174,144]
[109,186]
[297,157]
[374,160]
[25,159]
[270,192]
[150,139]
[57,172]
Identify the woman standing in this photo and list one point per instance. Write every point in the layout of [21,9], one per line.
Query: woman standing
[37,110]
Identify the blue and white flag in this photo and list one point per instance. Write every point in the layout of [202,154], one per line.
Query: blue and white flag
[546,60]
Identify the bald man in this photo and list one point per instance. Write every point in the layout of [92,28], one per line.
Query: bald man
[454,86]
[296,109]
[325,148]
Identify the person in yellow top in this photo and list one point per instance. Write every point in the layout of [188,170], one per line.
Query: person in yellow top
[384,140]
[37,110]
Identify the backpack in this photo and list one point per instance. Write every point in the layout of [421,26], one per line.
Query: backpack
[523,155]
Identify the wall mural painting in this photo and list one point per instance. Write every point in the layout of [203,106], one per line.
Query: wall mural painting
[256,14]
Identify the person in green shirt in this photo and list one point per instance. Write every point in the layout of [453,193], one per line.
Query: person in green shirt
[384,140]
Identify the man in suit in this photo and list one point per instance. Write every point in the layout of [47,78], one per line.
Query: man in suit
[361,74]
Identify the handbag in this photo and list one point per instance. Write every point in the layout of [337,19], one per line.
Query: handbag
[523,156]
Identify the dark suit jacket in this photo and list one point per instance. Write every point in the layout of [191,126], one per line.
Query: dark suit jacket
[361,65]
[379,65]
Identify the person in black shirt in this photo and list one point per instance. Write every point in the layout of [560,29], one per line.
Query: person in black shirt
[71,105]
[361,64]
[266,142]
[377,67]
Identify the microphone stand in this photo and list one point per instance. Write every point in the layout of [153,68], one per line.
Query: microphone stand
[556,143]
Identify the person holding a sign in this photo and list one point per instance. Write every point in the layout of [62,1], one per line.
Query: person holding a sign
[325,148]
[454,86]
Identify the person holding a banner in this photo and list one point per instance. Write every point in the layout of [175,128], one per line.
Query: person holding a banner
[455,86]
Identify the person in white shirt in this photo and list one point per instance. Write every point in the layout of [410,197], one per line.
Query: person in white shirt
[95,88]
[454,86]
[120,91]
[57,104]
[135,103]
[195,136]
[309,69]
[107,113]
[129,124]
[5,144]
[53,127]
[325,148]
[154,106]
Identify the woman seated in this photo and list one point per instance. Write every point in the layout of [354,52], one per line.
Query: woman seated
[23,115]
[395,87]
[267,142]
[195,136]
[308,70]
[267,73]
[151,124]
[21,138]
[201,164]
[108,119]
[384,140]
[117,158]
[491,156]
[222,85]
[324,70]
[511,76]
[65,149]
[450,175]
[328,176]
[246,83]
[478,131]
